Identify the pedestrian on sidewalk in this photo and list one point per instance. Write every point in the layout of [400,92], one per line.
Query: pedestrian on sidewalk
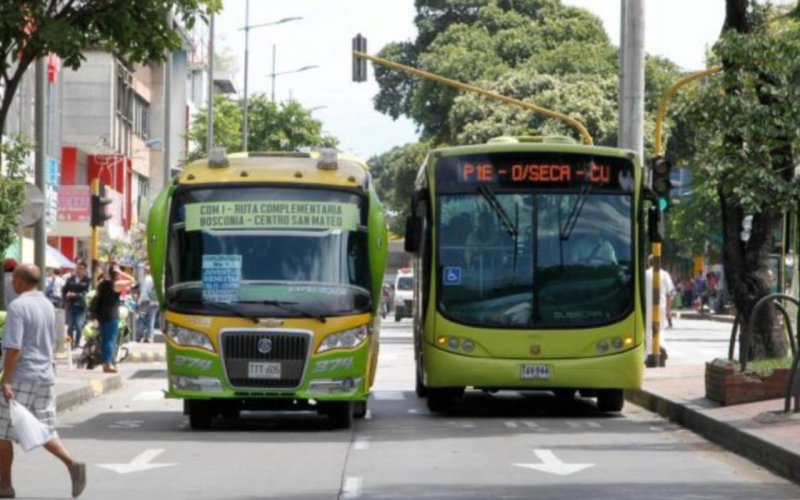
[148,307]
[74,292]
[108,300]
[666,291]
[8,266]
[29,375]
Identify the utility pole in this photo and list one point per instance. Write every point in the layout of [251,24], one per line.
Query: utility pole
[40,174]
[245,118]
[273,73]
[631,101]
[167,140]
[210,138]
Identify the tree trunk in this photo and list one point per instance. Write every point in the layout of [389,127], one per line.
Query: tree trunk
[747,278]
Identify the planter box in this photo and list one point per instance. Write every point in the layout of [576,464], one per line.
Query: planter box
[728,386]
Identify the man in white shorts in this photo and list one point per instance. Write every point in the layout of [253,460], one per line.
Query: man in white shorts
[29,374]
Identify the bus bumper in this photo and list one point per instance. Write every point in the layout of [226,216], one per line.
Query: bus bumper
[614,371]
[334,376]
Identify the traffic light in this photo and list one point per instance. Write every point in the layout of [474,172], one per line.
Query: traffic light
[99,203]
[661,183]
[359,63]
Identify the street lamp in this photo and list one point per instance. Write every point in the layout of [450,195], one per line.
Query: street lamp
[247,27]
[274,74]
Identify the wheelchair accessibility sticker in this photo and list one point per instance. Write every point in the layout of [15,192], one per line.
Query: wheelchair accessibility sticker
[452,276]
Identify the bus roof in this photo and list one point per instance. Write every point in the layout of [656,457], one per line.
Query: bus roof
[529,143]
[278,167]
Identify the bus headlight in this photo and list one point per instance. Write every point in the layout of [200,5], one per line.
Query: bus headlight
[347,339]
[189,338]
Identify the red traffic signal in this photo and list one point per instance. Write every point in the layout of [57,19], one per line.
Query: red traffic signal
[99,203]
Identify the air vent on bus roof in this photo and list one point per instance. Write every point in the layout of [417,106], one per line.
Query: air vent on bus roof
[544,139]
[279,154]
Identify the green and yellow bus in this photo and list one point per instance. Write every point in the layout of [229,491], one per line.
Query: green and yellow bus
[529,270]
[268,268]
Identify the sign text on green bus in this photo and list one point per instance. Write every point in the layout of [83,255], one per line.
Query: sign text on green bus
[271,215]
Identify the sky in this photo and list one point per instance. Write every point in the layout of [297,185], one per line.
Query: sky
[680,30]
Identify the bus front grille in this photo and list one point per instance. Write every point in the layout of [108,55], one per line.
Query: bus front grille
[264,359]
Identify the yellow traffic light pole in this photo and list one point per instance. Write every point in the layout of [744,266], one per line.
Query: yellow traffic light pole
[587,139]
[654,358]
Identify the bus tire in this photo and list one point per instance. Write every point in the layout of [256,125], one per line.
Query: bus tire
[340,414]
[360,409]
[200,415]
[564,394]
[442,400]
[610,400]
[419,387]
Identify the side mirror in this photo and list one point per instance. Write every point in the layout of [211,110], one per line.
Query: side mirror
[412,234]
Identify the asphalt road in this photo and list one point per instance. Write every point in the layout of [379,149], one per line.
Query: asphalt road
[508,446]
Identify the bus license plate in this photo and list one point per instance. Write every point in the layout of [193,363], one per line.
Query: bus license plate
[534,372]
[264,370]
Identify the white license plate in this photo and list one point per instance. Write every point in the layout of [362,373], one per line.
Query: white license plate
[264,370]
[534,372]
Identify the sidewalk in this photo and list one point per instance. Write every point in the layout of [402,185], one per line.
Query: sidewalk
[76,387]
[692,314]
[760,432]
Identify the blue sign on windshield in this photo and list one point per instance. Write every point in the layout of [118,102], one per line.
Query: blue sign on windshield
[221,277]
[452,276]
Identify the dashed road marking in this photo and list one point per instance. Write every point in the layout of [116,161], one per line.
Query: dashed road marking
[149,396]
[584,425]
[362,443]
[352,488]
[389,395]
[525,423]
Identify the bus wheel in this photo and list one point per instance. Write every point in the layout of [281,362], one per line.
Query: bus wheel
[340,414]
[419,386]
[442,400]
[200,415]
[360,409]
[610,400]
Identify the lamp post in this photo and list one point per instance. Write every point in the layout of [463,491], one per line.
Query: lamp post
[247,27]
[274,74]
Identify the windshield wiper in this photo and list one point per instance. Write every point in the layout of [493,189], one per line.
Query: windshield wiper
[491,199]
[574,213]
[289,306]
[511,227]
[225,307]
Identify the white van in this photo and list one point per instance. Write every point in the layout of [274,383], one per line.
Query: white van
[403,294]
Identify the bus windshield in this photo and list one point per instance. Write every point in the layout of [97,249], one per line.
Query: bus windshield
[268,251]
[534,239]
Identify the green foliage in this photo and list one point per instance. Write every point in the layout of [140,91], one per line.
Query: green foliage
[272,127]
[394,174]
[538,51]
[137,30]
[13,168]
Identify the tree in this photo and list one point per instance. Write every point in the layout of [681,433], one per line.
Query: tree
[538,51]
[136,30]
[273,127]
[13,169]
[745,124]
[394,174]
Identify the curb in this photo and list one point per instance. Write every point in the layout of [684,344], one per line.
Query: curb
[146,357]
[765,453]
[707,317]
[93,388]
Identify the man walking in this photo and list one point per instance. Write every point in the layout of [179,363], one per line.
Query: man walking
[148,305]
[74,293]
[29,374]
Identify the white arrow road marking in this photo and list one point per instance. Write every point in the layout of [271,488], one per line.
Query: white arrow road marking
[553,465]
[138,464]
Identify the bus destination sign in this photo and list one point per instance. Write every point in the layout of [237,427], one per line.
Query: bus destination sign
[535,170]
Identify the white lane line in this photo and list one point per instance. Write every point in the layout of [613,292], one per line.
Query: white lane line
[362,443]
[388,395]
[352,488]
[149,396]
